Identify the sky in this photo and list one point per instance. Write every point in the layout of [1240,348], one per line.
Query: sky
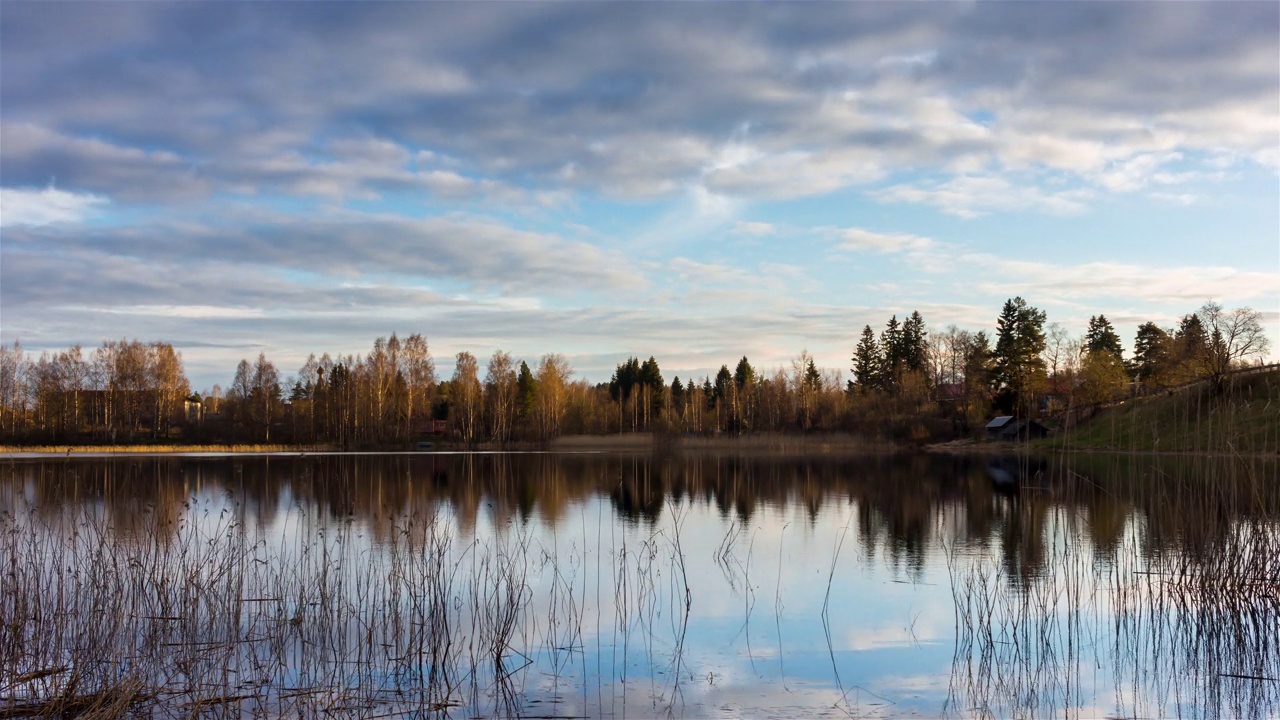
[695,182]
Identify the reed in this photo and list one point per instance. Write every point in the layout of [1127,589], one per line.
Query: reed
[201,614]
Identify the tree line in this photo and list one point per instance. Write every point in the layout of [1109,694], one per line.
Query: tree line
[905,381]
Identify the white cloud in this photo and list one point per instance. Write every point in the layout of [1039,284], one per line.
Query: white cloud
[972,196]
[1184,285]
[757,229]
[21,206]
[861,239]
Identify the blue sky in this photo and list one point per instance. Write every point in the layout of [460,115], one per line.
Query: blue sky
[695,182]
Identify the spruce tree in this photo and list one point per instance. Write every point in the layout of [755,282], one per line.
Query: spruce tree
[891,355]
[1102,337]
[1151,349]
[1019,368]
[866,362]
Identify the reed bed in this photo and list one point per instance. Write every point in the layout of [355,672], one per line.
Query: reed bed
[142,449]
[198,615]
[1165,622]
[482,586]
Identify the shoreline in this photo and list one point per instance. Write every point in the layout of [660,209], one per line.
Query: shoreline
[637,443]
[973,448]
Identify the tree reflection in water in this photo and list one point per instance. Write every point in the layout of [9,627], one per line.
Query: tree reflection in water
[596,585]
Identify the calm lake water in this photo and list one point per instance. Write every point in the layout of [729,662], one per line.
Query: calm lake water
[594,585]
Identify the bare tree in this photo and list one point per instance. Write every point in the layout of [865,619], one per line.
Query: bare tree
[75,372]
[465,396]
[12,372]
[265,394]
[500,391]
[170,385]
[420,378]
[552,376]
[1234,337]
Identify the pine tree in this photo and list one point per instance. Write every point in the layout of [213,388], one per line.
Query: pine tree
[866,362]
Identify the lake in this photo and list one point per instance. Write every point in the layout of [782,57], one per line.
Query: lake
[597,585]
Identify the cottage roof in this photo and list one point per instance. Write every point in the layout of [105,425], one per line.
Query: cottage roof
[1024,427]
[1014,427]
[999,422]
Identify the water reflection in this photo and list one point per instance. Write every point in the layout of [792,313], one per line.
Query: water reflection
[595,585]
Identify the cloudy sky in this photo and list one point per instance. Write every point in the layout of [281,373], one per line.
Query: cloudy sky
[691,181]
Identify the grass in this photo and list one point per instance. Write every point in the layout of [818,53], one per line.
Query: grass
[156,449]
[1186,612]
[1246,419]
[192,614]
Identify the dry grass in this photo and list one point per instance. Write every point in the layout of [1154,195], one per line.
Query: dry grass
[1185,619]
[153,449]
[197,615]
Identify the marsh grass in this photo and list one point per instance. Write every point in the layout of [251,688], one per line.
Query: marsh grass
[156,449]
[371,587]
[197,615]
[1184,621]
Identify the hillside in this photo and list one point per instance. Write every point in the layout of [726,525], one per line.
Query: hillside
[1245,420]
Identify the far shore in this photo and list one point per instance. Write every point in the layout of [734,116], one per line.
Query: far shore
[646,443]
[771,443]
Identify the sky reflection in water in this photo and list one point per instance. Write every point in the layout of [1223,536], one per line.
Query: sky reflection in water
[703,586]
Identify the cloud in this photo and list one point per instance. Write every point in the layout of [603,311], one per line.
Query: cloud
[861,239]
[32,154]
[1185,285]
[22,206]
[755,228]
[433,165]
[975,196]
[617,100]
[480,253]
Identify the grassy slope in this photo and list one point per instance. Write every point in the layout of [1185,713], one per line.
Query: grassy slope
[1246,419]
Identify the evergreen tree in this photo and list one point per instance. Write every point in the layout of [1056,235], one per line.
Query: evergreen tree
[915,345]
[1190,344]
[526,391]
[724,383]
[654,386]
[979,371]
[1102,337]
[1019,368]
[979,363]
[744,380]
[677,395]
[891,355]
[812,378]
[866,362]
[744,376]
[1151,349]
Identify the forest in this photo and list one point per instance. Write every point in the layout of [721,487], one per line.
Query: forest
[906,383]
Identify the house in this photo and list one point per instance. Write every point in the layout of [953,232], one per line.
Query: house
[1007,427]
[996,426]
[1024,430]
[949,391]
[193,411]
